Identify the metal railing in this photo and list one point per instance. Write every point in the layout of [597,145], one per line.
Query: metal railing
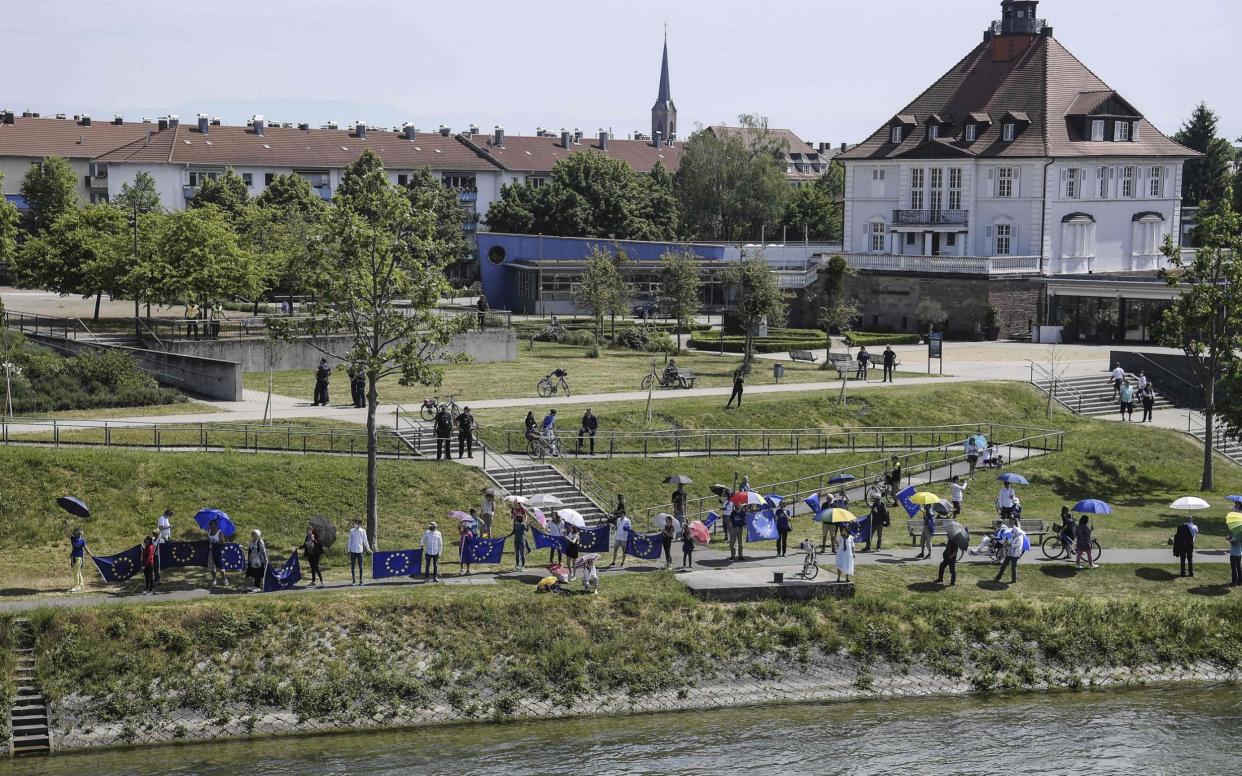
[49,326]
[1196,426]
[1057,384]
[870,473]
[735,442]
[1016,26]
[198,436]
[931,217]
[953,265]
[587,486]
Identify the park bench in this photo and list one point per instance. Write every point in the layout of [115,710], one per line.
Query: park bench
[915,528]
[1034,529]
[843,363]
[803,355]
[685,377]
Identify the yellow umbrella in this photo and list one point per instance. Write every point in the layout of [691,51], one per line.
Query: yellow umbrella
[843,516]
[924,499]
[1233,521]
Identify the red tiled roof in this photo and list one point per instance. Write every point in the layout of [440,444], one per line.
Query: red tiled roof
[526,153]
[39,137]
[287,147]
[1037,80]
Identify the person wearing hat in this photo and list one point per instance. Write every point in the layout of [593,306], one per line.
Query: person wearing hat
[432,544]
[358,545]
[322,374]
[256,560]
[465,434]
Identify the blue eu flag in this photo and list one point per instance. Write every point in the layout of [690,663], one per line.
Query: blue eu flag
[284,577]
[712,517]
[122,566]
[760,526]
[644,546]
[233,556]
[903,498]
[594,539]
[812,501]
[544,541]
[176,555]
[483,550]
[401,563]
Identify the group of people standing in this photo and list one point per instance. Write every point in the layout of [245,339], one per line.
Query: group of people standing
[888,359]
[1126,393]
[357,384]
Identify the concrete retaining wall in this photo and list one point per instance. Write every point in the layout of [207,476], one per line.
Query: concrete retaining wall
[212,378]
[484,346]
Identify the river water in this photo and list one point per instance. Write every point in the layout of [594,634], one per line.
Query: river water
[1188,731]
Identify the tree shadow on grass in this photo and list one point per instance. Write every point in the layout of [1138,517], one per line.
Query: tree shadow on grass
[1155,575]
[14,592]
[1105,480]
[987,584]
[1209,591]
[925,587]
[1059,572]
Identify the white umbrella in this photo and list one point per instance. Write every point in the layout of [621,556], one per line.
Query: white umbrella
[662,519]
[544,500]
[572,517]
[515,499]
[1189,503]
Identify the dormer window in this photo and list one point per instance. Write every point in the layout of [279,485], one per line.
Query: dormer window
[1008,132]
[972,133]
[1121,132]
[897,134]
[1097,130]
[933,131]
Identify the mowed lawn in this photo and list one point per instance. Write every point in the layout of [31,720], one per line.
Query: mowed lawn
[127,490]
[614,371]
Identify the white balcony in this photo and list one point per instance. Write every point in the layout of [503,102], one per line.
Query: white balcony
[950,265]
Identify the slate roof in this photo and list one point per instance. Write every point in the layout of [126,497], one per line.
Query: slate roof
[1035,78]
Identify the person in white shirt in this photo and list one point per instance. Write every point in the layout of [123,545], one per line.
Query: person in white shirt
[432,544]
[1142,383]
[590,576]
[1005,501]
[1118,377]
[1015,546]
[619,539]
[163,525]
[956,488]
[358,545]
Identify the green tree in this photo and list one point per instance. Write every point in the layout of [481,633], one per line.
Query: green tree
[931,314]
[757,296]
[228,192]
[602,288]
[387,278]
[427,193]
[1205,321]
[513,212]
[285,227]
[810,214]
[9,222]
[681,289]
[1205,180]
[198,256]
[141,196]
[731,182]
[50,189]
[829,305]
[83,252]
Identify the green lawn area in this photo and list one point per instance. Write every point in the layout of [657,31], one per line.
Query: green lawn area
[152,410]
[127,490]
[613,371]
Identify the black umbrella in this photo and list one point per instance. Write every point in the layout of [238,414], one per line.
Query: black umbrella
[958,536]
[943,508]
[74,506]
[325,529]
[678,479]
[721,490]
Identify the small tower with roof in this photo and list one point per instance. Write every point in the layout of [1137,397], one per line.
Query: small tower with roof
[664,112]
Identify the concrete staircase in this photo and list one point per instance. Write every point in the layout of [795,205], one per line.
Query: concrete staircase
[28,719]
[1227,446]
[533,479]
[1093,394]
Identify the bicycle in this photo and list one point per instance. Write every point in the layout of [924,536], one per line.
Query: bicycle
[551,384]
[810,564]
[1056,547]
[431,407]
[883,490]
[538,446]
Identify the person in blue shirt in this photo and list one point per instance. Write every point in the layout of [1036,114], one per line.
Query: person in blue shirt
[1235,560]
[77,551]
[1127,401]
[549,429]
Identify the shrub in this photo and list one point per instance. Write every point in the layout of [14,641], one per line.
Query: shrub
[90,380]
[735,344]
[582,338]
[857,339]
[660,342]
[633,338]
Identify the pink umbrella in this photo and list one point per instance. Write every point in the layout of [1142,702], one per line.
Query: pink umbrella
[699,533]
[585,560]
[540,517]
[460,516]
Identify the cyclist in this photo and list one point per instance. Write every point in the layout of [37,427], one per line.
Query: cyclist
[1067,530]
[549,429]
[670,372]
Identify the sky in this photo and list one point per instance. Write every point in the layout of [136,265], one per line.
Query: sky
[832,70]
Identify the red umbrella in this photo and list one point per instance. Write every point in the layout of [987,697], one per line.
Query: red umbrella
[699,533]
[745,497]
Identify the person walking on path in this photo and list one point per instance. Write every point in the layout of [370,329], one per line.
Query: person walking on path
[323,373]
[680,497]
[972,455]
[256,560]
[215,553]
[1127,401]
[443,425]
[957,489]
[621,531]
[1184,545]
[487,513]
[845,556]
[1235,560]
[1082,542]
[890,361]
[1118,376]
[1147,395]
[1015,541]
[77,551]
[948,561]
[739,383]
[864,363]
[312,550]
[1143,382]
[590,424]
[465,434]
[687,547]
[432,544]
[783,526]
[666,542]
[149,552]
[929,531]
[358,546]
[879,521]
[482,307]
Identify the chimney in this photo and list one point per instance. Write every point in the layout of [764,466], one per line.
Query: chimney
[7,117]
[656,138]
[498,136]
[257,124]
[844,147]
[173,119]
[603,140]
[118,119]
[567,139]
[360,129]
[577,136]
[204,124]
[474,129]
[86,120]
[148,141]
[163,123]
[445,131]
[538,131]
[409,131]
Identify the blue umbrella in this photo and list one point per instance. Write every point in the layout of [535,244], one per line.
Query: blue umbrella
[1013,479]
[1234,499]
[842,478]
[1092,506]
[223,521]
[74,506]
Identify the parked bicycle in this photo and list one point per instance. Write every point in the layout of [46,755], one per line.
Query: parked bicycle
[539,446]
[432,406]
[553,384]
[882,489]
[810,564]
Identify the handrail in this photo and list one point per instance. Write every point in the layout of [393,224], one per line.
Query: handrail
[519,485]
[1056,384]
[142,325]
[587,486]
[1168,371]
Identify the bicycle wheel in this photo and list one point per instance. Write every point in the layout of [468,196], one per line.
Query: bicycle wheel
[874,493]
[1051,543]
[544,388]
[534,449]
[646,383]
[810,569]
[1096,551]
[427,413]
[565,385]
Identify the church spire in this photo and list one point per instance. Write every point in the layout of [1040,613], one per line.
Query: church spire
[666,92]
[664,112]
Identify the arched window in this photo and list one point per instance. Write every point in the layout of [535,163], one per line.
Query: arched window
[1078,236]
[1148,234]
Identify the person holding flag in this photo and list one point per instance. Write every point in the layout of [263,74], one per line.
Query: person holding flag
[622,534]
[519,536]
[149,553]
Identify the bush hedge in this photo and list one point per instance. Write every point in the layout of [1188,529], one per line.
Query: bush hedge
[735,344]
[862,338]
[91,380]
